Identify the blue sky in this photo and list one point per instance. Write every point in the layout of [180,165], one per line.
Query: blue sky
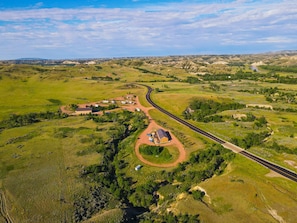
[99,28]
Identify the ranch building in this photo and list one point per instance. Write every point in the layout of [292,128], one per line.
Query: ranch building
[163,136]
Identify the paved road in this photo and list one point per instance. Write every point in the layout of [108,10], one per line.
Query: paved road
[276,168]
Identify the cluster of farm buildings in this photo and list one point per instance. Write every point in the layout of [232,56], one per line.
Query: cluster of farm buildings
[158,136]
[91,108]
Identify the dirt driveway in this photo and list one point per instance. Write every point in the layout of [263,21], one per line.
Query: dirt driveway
[143,139]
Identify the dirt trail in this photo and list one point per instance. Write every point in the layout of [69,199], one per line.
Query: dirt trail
[143,139]
[3,208]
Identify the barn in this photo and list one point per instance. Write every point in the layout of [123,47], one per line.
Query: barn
[163,136]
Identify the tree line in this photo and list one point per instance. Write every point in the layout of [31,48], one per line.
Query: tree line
[16,120]
[274,95]
[203,110]
[291,69]
[270,77]
[251,139]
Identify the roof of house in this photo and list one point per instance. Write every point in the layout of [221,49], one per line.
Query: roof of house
[161,133]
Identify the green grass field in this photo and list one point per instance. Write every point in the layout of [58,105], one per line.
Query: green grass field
[41,173]
[40,164]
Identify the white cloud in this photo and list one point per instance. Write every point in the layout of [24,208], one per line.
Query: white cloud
[184,27]
[276,39]
[38,5]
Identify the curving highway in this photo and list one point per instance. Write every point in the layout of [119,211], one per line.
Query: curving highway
[194,128]
[278,169]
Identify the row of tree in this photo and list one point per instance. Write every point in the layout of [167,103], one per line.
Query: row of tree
[105,78]
[169,218]
[145,71]
[251,139]
[292,69]
[15,120]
